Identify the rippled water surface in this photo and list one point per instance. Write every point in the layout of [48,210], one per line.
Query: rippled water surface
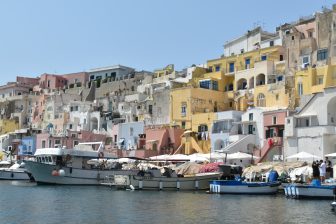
[22,202]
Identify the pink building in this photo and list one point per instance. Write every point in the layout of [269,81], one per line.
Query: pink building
[72,138]
[274,123]
[163,139]
[77,78]
[51,81]
[27,81]
[274,126]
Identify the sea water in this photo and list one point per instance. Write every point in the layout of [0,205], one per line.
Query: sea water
[23,202]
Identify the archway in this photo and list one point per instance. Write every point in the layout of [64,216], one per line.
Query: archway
[260,80]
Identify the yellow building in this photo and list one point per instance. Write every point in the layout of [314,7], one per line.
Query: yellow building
[314,80]
[247,75]
[187,101]
[8,125]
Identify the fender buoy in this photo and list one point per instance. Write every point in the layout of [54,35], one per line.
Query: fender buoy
[101,155]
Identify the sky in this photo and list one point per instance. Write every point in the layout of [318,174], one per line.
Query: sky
[66,36]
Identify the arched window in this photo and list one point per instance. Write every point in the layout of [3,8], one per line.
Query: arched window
[261,101]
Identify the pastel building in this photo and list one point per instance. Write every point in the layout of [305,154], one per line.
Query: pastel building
[27,146]
[224,129]
[128,134]
[312,128]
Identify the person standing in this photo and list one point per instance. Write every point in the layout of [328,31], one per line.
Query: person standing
[316,171]
[322,170]
[329,169]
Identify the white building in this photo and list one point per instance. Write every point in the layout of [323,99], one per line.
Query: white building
[224,129]
[252,40]
[313,128]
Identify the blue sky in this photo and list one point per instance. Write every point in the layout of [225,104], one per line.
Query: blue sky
[66,36]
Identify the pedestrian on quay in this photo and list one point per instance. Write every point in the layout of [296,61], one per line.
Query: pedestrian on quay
[316,171]
[322,170]
[329,169]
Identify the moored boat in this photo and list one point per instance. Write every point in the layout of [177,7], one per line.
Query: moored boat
[73,166]
[154,180]
[15,172]
[298,191]
[241,187]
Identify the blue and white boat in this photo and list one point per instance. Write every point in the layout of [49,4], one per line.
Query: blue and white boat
[242,187]
[309,191]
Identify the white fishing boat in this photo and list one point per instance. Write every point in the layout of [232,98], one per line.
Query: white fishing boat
[298,191]
[242,187]
[15,171]
[154,180]
[85,164]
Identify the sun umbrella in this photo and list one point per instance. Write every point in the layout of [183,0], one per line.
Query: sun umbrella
[179,157]
[331,154]
[303,155]
[241,155]
[160,157]
[198,157]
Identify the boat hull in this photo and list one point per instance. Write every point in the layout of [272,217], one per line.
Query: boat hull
[197,182]
[237,187]
[43,174]
[307,191]
[14,175]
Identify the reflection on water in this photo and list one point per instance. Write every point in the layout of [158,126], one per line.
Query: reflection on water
[24,202]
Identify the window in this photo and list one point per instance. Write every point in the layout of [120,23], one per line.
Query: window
[261,102]
[319,80]
[217,68]
[271,43]
[183,124]
[57,142]
[205,84]
[183,110]
[250,129]
[292,37]
[75,143]
[230,104]
[215,85]
[250,116]
[210,69]
[264,57]
[150,109]
[73,135]
[202,128]
[231,67]
[288,121]
[84,122]
[91,77]
[48,83]
[43,143]
[287,32]
[310,33]
[306,59]
[131,131]
[322,54]
[70,126]
[277,97]
[241,51]
[274,120]
[300,89]
[281,57]
[247,63]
